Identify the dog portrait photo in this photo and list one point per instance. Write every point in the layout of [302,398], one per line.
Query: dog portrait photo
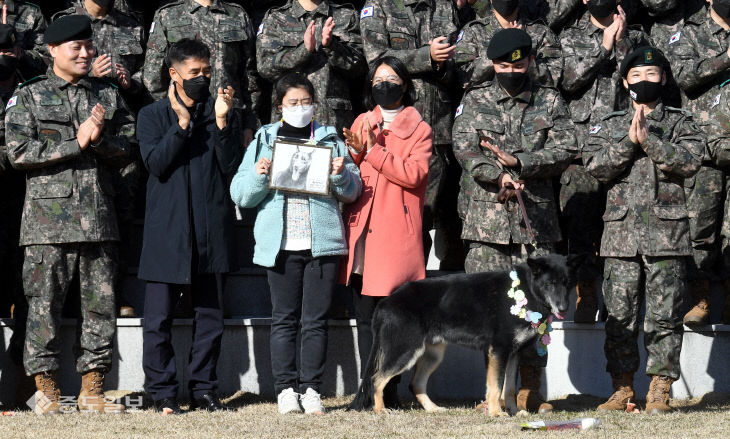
[300,167]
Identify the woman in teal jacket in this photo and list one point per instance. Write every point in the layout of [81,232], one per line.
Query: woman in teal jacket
[299,239]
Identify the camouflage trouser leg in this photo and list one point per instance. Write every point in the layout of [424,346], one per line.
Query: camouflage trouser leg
[484,256]
[663,281]
[581,206]
[47,274]
[704,202]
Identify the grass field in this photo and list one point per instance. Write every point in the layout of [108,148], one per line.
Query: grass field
[257,418]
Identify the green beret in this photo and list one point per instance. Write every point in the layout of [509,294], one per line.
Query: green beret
[643,56]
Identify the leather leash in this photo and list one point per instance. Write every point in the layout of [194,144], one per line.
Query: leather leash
[508,192]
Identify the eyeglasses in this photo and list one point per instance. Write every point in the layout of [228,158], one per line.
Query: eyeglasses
[294,102]
[390,78]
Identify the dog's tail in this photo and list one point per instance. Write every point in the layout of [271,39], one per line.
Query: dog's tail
[364,396]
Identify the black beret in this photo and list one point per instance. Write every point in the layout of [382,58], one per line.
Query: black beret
[68,28]
[7,36]
[643,56]
[510,45]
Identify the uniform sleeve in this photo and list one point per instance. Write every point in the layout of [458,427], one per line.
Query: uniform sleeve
[683,156]
[249,188]
[376,42]
[467,148]
[693,66]
[549,59]
[347,56]
[118,138]
[580,68]
[154,74]
[606,157]
[559,150]
[471,63]
[250,80]
[718,136]
[273,58]
[25,150]
[409,172]
[35,54]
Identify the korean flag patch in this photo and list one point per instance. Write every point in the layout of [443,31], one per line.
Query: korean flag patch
[12,102]
[261,29]
[595,129]
[152,27]
[633,94]
[367,12]
[674,38]
[459,110]
[716,102]
[461,35]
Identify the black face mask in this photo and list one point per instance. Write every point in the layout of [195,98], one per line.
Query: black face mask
[8,64]
[106,4]
[645,92]
[505,8]
[512,82]
[386,94]
[197,88]
[602,9]
[722,8]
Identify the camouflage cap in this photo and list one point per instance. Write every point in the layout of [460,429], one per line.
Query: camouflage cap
[643,56]
[510,45]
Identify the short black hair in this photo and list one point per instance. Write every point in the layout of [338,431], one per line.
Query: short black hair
[289,81]
[400,69]
[185,49]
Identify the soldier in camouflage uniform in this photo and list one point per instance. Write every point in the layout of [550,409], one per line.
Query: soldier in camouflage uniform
[700,54]
[28,21]
[292,38]
[644,155]
[66,135]
[421,34]
[527,136]
[473,67]
[119,39]
[718,144]
[555,13]
[226,29]
[593,49]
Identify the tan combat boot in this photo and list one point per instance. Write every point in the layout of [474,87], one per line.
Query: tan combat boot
[700,312]
[91,397]
[529,398]
[726,305]
[586,306]
[47,396]
[623,392]
[657,399]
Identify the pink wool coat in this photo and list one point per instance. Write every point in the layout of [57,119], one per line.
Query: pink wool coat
[389,211]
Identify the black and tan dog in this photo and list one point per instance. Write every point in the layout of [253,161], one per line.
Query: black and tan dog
[413,325]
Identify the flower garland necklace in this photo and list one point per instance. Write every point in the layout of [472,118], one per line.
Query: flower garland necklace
[519,309]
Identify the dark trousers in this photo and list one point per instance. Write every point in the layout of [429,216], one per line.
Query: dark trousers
[301,291]
[158,357]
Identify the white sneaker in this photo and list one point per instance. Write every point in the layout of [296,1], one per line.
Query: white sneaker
[312,402]
[288,401]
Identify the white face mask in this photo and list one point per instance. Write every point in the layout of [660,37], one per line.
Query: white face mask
[299,116]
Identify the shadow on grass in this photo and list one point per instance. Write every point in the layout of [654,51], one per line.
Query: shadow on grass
[242,399]
[713,401]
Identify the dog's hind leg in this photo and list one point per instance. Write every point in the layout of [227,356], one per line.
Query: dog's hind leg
[495,370]
[510,383]
[425,366]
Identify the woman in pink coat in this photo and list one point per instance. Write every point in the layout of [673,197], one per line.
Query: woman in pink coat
[392,146]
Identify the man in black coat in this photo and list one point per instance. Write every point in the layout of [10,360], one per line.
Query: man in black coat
[190,144]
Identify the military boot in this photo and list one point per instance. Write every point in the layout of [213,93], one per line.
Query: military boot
[726,305]
[700,312]
[623,392]
[529,398]
[657,399]
[47,395]
[91,397]
[586,306]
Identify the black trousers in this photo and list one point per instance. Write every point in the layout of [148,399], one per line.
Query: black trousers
[301,292]
[158,358]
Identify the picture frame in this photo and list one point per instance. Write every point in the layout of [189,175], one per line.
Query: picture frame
[300,167]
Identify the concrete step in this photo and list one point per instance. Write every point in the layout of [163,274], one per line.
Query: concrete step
[576,363]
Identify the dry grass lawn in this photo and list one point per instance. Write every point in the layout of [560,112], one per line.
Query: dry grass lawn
[257,418]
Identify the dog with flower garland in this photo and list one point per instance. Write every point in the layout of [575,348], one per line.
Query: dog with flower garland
[498,312]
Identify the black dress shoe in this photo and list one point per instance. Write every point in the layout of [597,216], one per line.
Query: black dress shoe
[208,401]
[168,403]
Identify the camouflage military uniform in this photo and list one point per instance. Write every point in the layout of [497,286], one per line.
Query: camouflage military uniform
[474,67]
[698,52]
[68,217]
[226,29]
[280,49]
[646,233]
[536,128]
[403,29]
[591,81]
[555,13]
[29,24]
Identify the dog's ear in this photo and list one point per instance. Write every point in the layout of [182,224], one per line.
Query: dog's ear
[536,264]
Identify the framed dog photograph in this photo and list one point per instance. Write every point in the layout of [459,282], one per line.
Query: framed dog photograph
[300,167]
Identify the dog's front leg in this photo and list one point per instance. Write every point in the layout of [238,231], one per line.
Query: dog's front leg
[510,383]
[495,369]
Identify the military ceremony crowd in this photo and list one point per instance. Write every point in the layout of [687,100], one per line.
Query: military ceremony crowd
[511,128]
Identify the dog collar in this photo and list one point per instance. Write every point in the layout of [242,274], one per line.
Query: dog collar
[520,310]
